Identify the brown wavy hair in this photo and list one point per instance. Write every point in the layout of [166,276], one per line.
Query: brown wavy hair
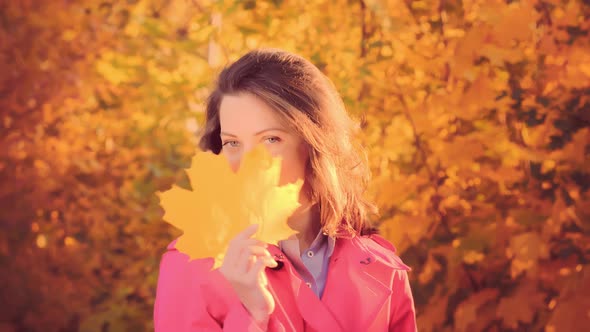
[337,171]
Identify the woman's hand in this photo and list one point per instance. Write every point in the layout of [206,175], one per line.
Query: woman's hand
[243,266]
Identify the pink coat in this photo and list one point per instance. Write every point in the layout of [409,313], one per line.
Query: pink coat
[367,289]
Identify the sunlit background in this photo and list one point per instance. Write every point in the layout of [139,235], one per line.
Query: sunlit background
[475,114]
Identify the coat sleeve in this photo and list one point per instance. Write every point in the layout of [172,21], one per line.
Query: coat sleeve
[181,306]
[403,313]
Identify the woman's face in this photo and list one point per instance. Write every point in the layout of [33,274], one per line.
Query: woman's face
[247,121]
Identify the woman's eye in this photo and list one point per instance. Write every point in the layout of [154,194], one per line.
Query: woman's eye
[233,144]
[273,139]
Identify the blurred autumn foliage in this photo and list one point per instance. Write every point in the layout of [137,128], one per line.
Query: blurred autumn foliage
[476,115]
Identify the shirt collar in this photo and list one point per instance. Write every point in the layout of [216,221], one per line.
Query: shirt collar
[291,244]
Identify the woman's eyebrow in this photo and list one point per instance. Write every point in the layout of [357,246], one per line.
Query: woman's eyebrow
[269,129]
[257,134]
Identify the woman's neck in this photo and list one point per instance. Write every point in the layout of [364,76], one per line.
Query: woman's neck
[306,222]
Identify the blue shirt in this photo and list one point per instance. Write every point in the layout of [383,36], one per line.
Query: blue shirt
[312,264]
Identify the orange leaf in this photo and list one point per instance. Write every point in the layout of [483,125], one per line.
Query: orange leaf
[223,203]
[521,306]
[468,312]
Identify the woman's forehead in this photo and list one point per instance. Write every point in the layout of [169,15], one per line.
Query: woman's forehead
[248,113]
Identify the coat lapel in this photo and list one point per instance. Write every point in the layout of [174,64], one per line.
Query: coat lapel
[312,310]
[359,284]
[358,287]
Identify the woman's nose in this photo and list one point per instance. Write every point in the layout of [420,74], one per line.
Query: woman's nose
[234,165]
[237,158]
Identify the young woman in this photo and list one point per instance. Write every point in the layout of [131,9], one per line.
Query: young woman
[335,274]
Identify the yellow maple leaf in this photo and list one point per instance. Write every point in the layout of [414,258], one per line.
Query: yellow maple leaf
[222,203]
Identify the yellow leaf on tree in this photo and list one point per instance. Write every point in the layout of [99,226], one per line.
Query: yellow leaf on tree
[222,203]
[111,73]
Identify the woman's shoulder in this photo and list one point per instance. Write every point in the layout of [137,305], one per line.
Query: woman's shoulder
[382,250]
[176,260]
[191,283]
[172,245]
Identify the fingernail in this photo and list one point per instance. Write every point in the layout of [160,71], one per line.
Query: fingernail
[273,263]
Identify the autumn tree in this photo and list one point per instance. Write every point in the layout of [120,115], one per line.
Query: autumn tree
[93,123]
[475,115]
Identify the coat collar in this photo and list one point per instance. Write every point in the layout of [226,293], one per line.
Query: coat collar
[360,273]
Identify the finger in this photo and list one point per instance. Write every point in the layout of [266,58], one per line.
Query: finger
[231,255]
[270,262]
[242,261]
[257,268]
[246,233]
[237,244]
[263,254]
[237,258]
[251,262]
[255,249]
[249,255]
[255,242]
[263,279]
[258,251]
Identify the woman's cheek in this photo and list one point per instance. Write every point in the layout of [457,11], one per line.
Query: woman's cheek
[233,160]
[274,150]
[286,175]
[293,169]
